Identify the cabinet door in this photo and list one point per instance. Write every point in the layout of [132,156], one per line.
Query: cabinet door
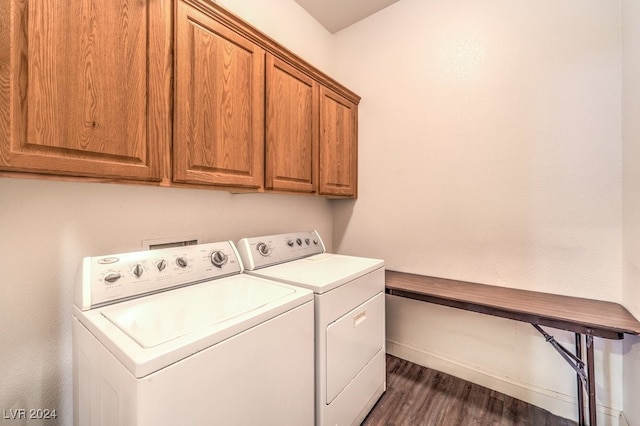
[338,148]
[219,103]
[291,127]
[85,87]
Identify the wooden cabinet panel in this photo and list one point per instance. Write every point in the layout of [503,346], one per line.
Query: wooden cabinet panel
[219,103]
[86,90]
[83,96]
[291,128]
[338,146]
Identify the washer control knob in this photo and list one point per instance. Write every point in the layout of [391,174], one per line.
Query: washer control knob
[161,265]
[306,240]
[299,241]
[138,270]
[290,243]
[218,259]
[182,262]
[263,249]
[112,277]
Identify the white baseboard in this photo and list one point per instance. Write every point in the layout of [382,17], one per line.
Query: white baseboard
[558,403]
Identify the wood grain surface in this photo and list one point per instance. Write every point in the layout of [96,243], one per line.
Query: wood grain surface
[419,396]
[338,150]
[586,316]
[291,127]
[219,103]
[85,88]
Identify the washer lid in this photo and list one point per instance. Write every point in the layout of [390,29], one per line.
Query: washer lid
[155,331]
[153,321]
[321,272]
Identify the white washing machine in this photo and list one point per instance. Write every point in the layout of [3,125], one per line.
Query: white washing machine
[180,336]
[349,318]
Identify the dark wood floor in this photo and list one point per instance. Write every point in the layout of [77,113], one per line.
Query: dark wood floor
[420,396]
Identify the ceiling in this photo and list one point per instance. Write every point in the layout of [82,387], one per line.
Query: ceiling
[335,15]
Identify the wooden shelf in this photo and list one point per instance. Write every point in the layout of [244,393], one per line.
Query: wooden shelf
[586,316]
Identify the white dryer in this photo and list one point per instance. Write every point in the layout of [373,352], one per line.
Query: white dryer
[180,336]
[349,318]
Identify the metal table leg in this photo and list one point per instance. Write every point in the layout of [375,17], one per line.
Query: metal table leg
[591,380]
[581,421]
[586,379]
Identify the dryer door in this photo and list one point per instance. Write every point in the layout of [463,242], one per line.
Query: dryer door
[352,341]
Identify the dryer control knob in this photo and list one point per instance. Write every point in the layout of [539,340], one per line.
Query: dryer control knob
[263,249]
[138,270]
[218,259]
[182,262]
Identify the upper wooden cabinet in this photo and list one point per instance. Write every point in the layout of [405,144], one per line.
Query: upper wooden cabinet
[291,128]
[178,92]
[85,87]
[250,114]
[219,103]
[338,158]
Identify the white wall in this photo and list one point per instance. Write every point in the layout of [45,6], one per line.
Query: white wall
[631,199]
[490,152]
[46,227]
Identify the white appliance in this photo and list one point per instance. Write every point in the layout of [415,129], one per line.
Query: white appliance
[349,318]
[180,336]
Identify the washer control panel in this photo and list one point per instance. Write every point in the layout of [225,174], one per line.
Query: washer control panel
[106,279]
[260,252]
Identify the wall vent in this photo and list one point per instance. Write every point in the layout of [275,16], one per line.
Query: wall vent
[160,243]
